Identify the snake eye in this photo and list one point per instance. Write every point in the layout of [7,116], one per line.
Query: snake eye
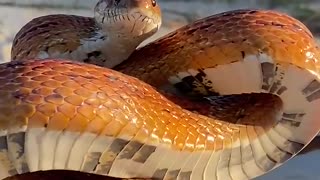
[154,3]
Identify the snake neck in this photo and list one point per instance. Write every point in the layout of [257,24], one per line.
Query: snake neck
[106,49]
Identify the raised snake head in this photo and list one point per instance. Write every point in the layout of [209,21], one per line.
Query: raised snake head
[129,18]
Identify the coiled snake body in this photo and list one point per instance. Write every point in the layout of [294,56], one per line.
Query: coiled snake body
[257,68]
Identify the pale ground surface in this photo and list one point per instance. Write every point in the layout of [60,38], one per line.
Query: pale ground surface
[13,18]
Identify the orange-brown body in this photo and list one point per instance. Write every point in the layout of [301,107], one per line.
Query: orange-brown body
[222,39]
[64,40]
[258,69]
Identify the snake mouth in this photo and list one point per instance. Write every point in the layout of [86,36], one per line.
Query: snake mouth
[129,22]
[138,22]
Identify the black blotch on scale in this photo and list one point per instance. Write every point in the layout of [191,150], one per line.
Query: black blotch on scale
[92,55]
[17,142]
[172,174]
[160,173]
[4,148]
[292,119]
[144,153]
[92,160]
[187,85]
[312,91]
[115,148]
[196,86]
[130,150]
[268,75]
[185,175]
[201,76]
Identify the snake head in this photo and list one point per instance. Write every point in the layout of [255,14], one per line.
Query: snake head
[129,18]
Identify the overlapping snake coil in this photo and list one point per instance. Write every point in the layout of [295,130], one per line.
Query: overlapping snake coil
[257,68]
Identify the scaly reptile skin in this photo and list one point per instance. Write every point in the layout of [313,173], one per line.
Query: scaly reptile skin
[224,38]
[97,120]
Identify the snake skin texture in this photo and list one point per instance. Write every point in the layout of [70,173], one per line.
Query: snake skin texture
[224,38]
[258,69]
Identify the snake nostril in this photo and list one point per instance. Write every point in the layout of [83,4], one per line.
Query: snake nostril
[154,3]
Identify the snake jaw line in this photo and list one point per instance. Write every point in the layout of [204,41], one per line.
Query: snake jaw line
[110,17]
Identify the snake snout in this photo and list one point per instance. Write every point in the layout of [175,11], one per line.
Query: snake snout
[131,18]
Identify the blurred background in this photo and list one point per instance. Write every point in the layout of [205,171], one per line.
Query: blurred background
[176,13]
